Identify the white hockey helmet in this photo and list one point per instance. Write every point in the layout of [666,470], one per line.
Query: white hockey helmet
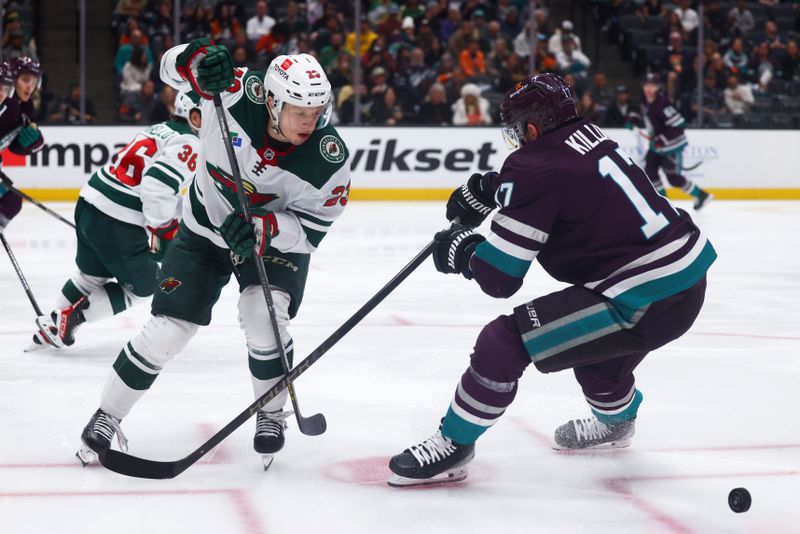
[299,80]
[184,105]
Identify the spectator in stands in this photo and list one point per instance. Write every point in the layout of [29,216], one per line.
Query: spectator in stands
[342,74]
[17,47]
[224,25]
[413,81]
[497,57]
[471,109]
[511,24]
[716,67]
[130,8]
[616,116]
[678,71]
[741,19]
[515,71]
[653,8]
[329,55]
[13,24]
[571,60]
[293,19]
[139,107]
[378,78]
[385,111]
[131,26]
[789,64]
[776,41]
[411,8]
[260,23]
[761,66]
[450,25]
[462,38]
[736,59]
[165,106]
[125,51]
[555,43]
[472,60]
[716,22]
[434,109]
[198,24]
[161,22]
[601,92]
[738,97]
[688,16]
[135,72]
[713,100]
[368,38]
[240,40]
[587,107]
[390,23]
[68,110]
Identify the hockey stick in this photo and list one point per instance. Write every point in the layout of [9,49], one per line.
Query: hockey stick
[7,183]
[316,424]
[132,466]
[21,276]
[645,136]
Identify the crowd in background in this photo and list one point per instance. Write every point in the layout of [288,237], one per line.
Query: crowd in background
[444,62]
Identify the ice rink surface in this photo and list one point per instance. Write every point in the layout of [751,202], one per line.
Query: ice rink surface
[720,408]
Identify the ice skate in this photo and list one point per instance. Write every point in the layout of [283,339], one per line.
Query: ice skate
[438,459]
[592,434]
[97,436]
[58,330]
[702,199]
[269,438]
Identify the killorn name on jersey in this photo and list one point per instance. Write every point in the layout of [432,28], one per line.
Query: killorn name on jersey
[583,143]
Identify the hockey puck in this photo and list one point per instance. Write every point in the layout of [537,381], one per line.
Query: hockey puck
[739,500]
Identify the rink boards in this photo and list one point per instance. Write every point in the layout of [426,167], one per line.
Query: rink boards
[417,163]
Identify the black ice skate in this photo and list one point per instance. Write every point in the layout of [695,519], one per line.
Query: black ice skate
[592,434]
[438,459]
[701,200]
[97,436]
[58,330]
[269,437]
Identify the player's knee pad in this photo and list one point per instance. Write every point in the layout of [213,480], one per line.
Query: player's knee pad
[254,317]
[162,338]
[499,353]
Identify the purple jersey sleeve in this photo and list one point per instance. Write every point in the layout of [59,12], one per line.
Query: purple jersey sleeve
[666,125]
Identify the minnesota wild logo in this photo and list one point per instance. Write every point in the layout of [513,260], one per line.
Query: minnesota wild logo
[168,285]
[225,184]
[331,149]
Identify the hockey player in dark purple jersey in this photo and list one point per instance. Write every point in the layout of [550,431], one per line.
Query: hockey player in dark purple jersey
[571,198]
[18,81]
[664,128]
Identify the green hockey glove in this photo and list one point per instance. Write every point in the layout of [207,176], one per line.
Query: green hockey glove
[242,237]
[206,66]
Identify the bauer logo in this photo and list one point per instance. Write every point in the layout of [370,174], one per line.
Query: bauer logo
[331,149]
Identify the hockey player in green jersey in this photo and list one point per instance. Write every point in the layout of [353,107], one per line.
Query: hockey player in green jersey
[296,179]
[126,216]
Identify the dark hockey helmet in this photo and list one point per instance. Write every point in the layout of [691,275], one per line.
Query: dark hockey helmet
[652,77]
[544,100]
[26,65]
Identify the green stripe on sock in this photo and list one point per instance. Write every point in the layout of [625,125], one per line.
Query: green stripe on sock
[265,370]
[71,292]
[117,297]
[130,373]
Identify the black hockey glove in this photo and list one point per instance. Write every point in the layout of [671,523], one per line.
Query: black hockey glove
[452,249]
[206,66]
[473,201]
[241,237]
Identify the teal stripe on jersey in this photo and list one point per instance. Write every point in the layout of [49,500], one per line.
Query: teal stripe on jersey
[572,334]
[115,195]
[664,287]
[460,430]
[506,263]
[163,177]
[306,217]
[314,236]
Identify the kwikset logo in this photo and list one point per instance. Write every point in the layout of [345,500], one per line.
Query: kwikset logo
[386,155]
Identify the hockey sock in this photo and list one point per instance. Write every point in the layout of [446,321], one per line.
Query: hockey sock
[131,378]
[695,191]
[266,371]
[477,404]
[107,300]
[618,411]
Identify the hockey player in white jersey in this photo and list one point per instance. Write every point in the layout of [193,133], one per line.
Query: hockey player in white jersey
[296,179]
[126,216]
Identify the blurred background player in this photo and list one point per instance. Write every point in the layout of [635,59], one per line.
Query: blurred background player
[572,198]
[126,216]
[296,178]
[18,80]
[664,127]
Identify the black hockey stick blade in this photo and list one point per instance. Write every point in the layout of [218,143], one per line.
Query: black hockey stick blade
[693,167]
[133,466]
[7,181]
[313,426]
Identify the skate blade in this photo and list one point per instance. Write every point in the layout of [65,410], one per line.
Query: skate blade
[266,460]
[85,456]
[619,444]
[448,477]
